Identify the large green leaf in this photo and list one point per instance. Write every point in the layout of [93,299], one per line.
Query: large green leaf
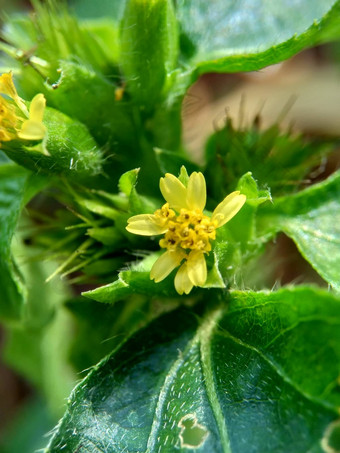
[258,374]
[312,219]
[230,36]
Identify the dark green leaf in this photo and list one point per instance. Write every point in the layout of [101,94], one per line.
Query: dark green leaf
[312,219]
[113,324]
[259,375]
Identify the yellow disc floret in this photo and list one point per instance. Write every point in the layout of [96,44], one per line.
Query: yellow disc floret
[190,230]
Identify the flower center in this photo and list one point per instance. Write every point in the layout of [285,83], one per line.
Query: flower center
[190,230]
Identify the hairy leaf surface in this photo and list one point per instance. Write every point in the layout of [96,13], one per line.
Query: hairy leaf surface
[248,35]
[230,380]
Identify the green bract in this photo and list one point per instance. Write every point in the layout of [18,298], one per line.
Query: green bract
[235,365]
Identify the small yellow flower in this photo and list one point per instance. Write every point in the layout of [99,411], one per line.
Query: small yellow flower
[187,230]
[15,120]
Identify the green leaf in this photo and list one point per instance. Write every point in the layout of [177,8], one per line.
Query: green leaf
[312,219]
[114,322]
[170,162]
[140,204]
[107,236]
[106,8]
[128,181]
[250,375]
[246,36]
[12,184]
[134,281]
[99,207]
[242,226]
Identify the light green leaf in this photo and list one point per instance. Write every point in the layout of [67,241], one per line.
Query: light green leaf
[242,226]
[128,181]
[12,184]
[106,235]
[250,375]
[99,207]
[146,61]
[106,8]
[245,35]
[37,348]
[312,219]
[134,281]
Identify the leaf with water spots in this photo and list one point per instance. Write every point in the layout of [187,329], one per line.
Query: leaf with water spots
[257,373]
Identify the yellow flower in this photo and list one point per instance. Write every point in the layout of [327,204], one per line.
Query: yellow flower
[187,230]
[15,120]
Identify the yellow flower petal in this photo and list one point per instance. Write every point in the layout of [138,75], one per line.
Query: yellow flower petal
[173,191]
[197,268]
[165,264]
[196,191]
[183,283]
[32,130]
[37,108]
[7,87]
[228,208]
[145,225]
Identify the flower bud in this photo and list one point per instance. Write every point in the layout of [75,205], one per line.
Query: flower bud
[44,139]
